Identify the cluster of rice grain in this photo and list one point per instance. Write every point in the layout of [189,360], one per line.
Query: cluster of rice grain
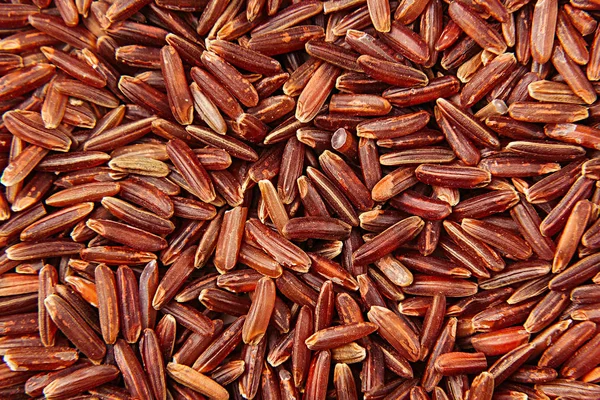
[274,199]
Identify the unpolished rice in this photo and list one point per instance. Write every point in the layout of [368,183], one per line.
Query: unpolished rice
[269,199]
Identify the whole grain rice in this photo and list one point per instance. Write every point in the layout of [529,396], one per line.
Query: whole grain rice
[273,199]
